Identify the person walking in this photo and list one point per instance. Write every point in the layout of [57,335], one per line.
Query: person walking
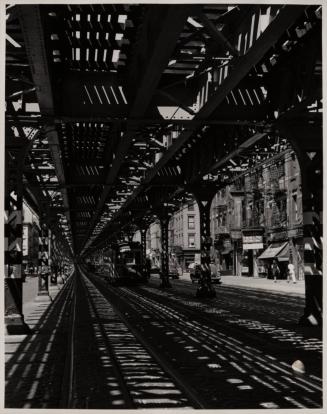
[275,270]
[291,273]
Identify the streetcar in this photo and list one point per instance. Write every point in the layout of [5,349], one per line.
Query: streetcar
[123,264]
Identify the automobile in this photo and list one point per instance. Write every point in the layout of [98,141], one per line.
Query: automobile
[173,271]
[195,271]
[215,274]
[154,270]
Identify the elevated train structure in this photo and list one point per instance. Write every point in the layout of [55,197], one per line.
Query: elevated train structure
[114,112]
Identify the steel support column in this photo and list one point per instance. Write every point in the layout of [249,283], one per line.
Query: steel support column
[306,139]
[164,220]
[14,318]
[53,261]
[204,194]
[60,279]
[143,226]
[44,268]
[143,243]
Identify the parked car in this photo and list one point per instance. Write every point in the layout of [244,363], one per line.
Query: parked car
[173,271]
[194,269]
[154,270]
[195,272]
[215,274]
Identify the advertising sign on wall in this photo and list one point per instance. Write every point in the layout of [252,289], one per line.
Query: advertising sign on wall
[252,242]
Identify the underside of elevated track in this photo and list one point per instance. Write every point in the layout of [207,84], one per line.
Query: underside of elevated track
[117,113]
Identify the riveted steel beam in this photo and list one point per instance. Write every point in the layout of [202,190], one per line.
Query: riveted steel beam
[32,28]
[163,26]
[240,68]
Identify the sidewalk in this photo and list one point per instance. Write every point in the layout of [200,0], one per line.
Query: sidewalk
[32,309]
[34,363]
[281,286]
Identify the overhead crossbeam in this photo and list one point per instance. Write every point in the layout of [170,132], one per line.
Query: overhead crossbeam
[30,18]
[217,35]
[240,67]
[163,27]
[242,147]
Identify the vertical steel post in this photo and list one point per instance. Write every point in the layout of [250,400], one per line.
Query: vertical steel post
[143,244]
[164,220]
[204,195]
[306,139]
[44,268]
[14,318]
[54,261]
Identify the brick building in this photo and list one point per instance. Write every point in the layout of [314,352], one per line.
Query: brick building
[184,234]
[259,218]
[30,242]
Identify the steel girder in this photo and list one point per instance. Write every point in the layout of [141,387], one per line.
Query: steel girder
[241,65]
[150,61]
[32,28]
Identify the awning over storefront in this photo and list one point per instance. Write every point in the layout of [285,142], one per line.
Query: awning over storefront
[276,250]
[252,246]
[227,250]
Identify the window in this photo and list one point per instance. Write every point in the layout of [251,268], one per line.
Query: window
[190,206]
[191,222]
[294,196]
[191,240]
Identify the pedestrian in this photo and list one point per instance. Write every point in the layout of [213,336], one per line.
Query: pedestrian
[291,273]
[148,267]
[275,270]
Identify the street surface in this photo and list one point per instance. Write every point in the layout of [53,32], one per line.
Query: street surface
[144,347]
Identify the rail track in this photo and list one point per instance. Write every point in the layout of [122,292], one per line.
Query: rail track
[269,382]
[111,365]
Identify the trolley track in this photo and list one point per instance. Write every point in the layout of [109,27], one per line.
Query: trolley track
[286,308]
[259,374]
[122,372]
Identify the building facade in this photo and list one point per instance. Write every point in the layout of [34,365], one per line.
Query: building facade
[30,242]
[184,234]
[258,218]
[255,219]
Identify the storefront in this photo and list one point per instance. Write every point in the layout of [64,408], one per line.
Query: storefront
[225,250]
[276,251]
[252,245]
[236,237]
[190,256]
[296,249]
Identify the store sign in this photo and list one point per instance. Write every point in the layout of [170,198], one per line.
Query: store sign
[252,242]
[280,236]
[25,240]
[295,233]
[252,246]
[253,238]
[236,234]
[227,243]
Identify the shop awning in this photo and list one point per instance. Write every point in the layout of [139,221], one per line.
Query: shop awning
[227,250]
[276,250]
